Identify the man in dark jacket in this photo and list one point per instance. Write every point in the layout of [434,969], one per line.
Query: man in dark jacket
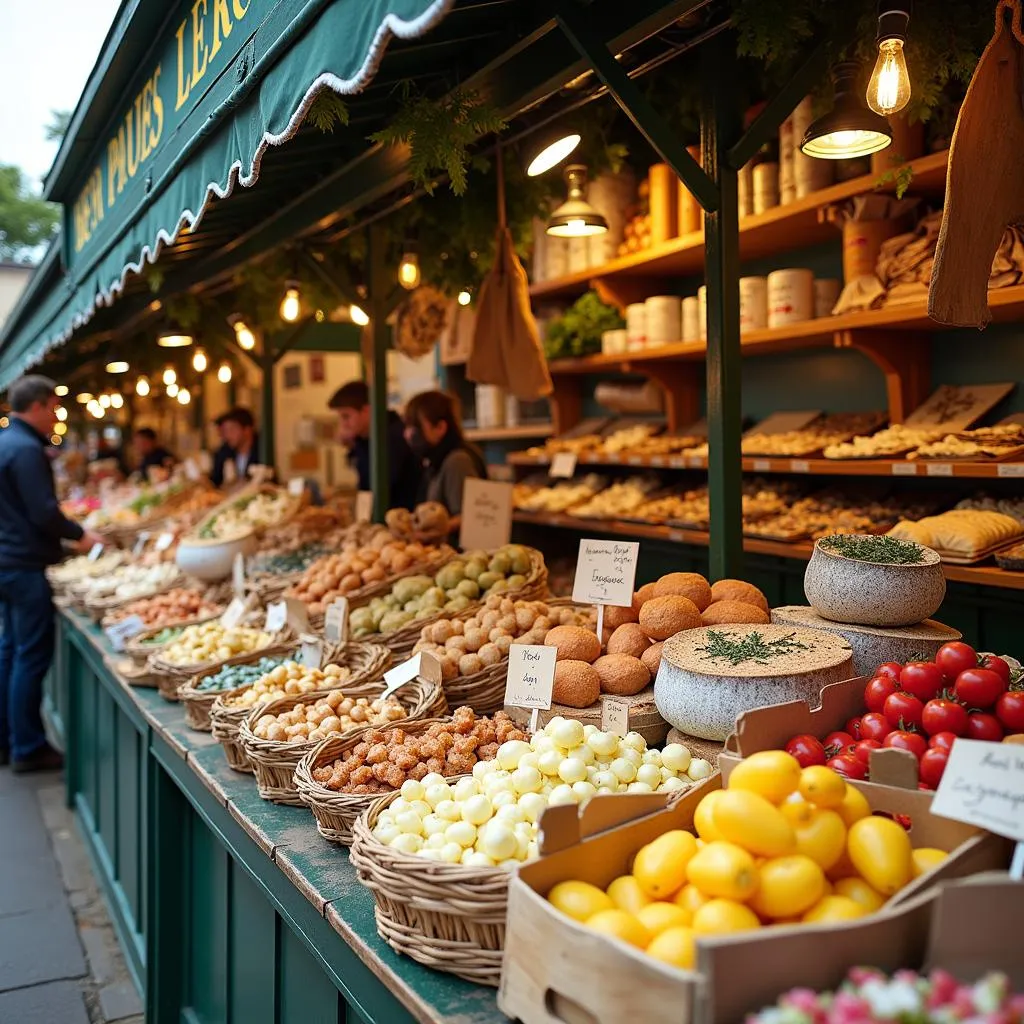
[352,404]
[32,527]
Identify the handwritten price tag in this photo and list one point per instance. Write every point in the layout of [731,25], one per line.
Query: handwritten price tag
[238,575]
[95,551]
[233,613]
[486,515]
[563,465]
[614,716]
[124,630]
[164,541]
[364,506]
[311,653]
[605,572]
[419,665]
[336,621]
[531,676]
[140,543]
[904,469]
[799,466]
[296,487]
[1010,470]
[277,616]
[939,469]
[983,785]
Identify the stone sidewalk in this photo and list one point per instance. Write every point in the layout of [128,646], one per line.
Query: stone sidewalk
[59,958]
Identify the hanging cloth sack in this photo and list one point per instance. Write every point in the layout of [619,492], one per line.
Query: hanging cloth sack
[506,344]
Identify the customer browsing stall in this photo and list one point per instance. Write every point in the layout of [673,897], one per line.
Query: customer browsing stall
[435,435]
[32,527]
[241,441]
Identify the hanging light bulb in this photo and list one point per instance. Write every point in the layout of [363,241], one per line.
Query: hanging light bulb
[61,390]
[576,218]
[56,440]
[465,298]
[551,149]
[224,373]
[174,340]
[849,129]
[94,407]
[243,335]
[142,387]
[60,429]
[199,360]
[889,85]
[172,390]
[169,375]
[4,422]
[409,269]
[184,396]
[116,401]
[358,316]
[85,398]
[104,401]
[117,366]
[290,306]
[61,413]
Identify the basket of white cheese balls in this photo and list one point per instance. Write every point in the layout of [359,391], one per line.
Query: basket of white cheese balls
[437,854]
[473,649]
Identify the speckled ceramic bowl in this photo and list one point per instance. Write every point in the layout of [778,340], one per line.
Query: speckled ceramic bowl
[873,593]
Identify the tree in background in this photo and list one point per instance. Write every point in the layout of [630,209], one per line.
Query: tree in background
[26,221]
[58,126]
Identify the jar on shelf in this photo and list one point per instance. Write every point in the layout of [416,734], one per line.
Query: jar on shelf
[790,296]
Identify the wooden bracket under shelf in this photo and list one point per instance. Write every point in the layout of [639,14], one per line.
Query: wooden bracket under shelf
[624,291]
[904,357]
[566,402]
[681,385]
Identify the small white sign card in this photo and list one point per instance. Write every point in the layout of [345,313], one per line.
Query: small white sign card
[421,664]
[530,679]
[311,653]
[296,486]
[287,611]
[95,551]
[364,506]
[238,575]
[486,515]
[277,616]
[336,621]
[234,613]
[164,541]
[140,543]
[614,715]
[563,465]
[124,630]
[192,470]
[605,574]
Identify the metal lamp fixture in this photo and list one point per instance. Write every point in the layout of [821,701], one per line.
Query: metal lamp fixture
[576,218]
[849,129]
[243,333]
[551,148]
[172,340]
[889,86]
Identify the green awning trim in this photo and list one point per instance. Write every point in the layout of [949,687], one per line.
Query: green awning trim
[185,139]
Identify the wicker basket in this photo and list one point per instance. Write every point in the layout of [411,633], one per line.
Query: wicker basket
[101,606]
[366,662]
[274,763]
[446,916]
[140,652]
[225,721]
[248,492]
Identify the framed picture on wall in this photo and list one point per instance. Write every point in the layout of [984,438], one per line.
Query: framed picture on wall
[317,372]
[293,376]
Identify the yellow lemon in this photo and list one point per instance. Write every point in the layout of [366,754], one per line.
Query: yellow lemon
[674,946]
[925,858]
[656,917]
[834,908]
[820,834]
[723,869]
[719,917]
[660,866]
[749,820]
[703,817]
[854,806]
[690,898]
[822,787]
[789,886]
[773,774]
[620,925]
[626,894]
[881,852]
[860,892]
[579,900]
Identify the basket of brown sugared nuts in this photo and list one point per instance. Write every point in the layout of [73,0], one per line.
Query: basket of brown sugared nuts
[276,736]
[343,775]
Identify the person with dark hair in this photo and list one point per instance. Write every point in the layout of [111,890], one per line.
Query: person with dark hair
[222,456]
[32,527]
[150,453]
[238,428]
[352,404]
[434,433]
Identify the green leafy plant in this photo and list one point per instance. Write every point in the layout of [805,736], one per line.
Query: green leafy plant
[900,176]
[327,111]
[578,331]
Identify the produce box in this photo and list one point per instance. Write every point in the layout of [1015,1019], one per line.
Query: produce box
[556,970]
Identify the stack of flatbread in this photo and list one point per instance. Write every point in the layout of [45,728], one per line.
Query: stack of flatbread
[963,534]
[983,443]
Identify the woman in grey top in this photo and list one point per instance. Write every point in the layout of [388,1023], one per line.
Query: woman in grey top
[433,432]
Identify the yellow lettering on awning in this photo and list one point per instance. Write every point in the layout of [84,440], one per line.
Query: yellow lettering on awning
[198,42]
[221,25]
[183,80]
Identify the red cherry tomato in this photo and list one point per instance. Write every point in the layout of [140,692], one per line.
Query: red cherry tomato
[848,766]
[853,727]
[874,726]
[982,726]
[807,749]
[903,740]
[923,679]
[862,750]
[955,658]
[890,670]
[903,708]
[942,741]
[942,715]
[996,664]
[979,687]
[877,690]
[837,741]
[933,764]
[1010,710]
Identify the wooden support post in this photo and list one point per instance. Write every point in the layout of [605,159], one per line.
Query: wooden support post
[267,412]
[904,359]
[380,283]
[566,402]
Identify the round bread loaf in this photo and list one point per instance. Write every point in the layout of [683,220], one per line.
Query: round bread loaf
[663,617]
[629,639]
[738,590]
[621,675]
[573,643]
[685,584]
[721,612]
[577,684]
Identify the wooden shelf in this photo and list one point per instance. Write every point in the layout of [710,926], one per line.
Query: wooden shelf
[780,229]
[813,467]
[520,433]
[980,575]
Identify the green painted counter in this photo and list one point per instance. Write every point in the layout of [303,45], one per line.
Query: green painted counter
[230,910]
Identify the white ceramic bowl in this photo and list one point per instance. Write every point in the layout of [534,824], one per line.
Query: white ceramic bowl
[212,560]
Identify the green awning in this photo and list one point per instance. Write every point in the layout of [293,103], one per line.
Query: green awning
[226,80]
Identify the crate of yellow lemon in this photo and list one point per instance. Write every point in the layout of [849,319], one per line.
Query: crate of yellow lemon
[619,920]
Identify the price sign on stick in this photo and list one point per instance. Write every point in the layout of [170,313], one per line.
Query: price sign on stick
[140,543]
[277,616]
[311,653]
[124,630]
[563,465]
[486,515]
[983,785]
[233,614]
[296,486]
[605,572]
[614,715]
[419,665]
[530,679]
[364,506]
[163,542]
[95,551]
[336,621]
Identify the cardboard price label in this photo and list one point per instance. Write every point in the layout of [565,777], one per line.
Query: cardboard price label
[140,543]
[336,621]
[94,552]
[277,616]
[983,785]
[164,541]
[531,676]
[233,614]
[311,653]
[422,664]
[486,515]
[296,487]
[364,506]
[288,611]
[1005,472]
[939,469]
[238,575]
[563,465]
[192,470]
[124,630]
[904,469]
[614,716]
[605,572]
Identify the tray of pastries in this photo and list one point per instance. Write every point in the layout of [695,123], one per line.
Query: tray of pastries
[988,444]
[962,536]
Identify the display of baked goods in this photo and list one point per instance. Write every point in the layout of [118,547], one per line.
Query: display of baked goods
[561,496]
[1013,507]
[259,511]
[287,679]
[213,641]
[961,533]
[898,439]
[1000,442]
[177,605]
[619,499]
[332,715]
[1011,558]
[129,581]
[823,432]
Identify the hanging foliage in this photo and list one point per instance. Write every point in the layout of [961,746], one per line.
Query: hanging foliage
[327,111]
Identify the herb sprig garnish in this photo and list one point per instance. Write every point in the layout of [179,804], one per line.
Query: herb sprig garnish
[752,647]
[880,550]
